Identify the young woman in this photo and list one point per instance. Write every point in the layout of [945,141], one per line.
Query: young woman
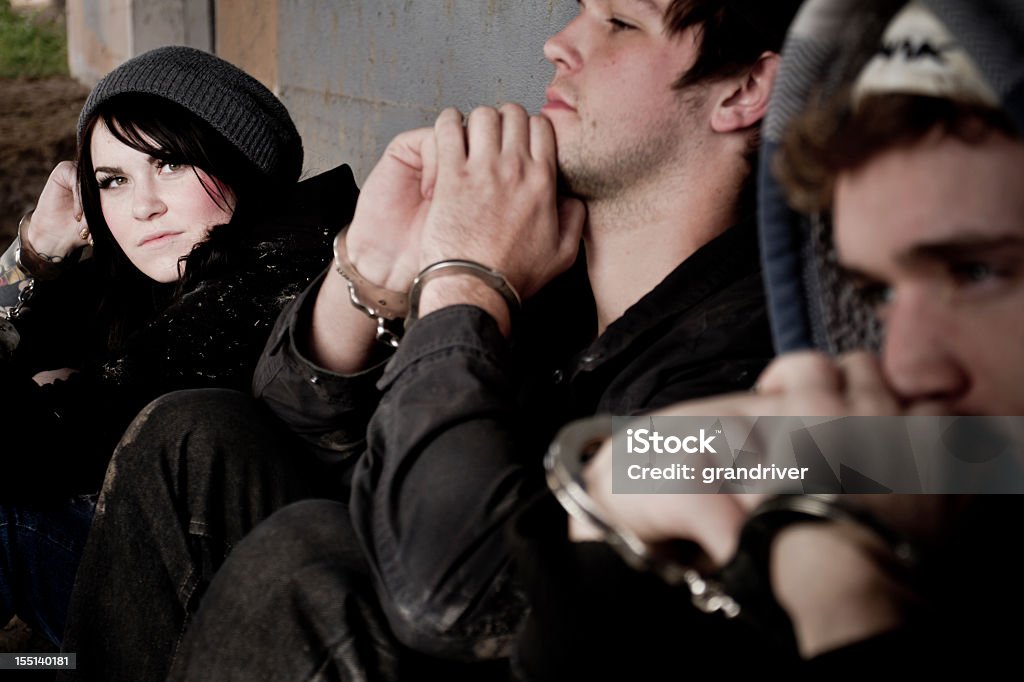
[185,188]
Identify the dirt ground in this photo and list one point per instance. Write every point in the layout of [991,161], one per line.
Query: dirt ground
[37,129]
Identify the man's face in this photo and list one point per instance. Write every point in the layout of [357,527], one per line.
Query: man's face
[935,235]
[616,117]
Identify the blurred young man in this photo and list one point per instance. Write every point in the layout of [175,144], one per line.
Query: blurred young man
[924,179]
[920,164]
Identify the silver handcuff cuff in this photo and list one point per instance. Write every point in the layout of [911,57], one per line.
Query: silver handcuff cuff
[395,311]
[564,463]
[568,456]
[385,306]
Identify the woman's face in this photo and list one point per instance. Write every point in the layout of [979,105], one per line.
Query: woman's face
[156,211]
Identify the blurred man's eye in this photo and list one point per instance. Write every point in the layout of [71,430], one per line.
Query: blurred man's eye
[874,294]
[972,273]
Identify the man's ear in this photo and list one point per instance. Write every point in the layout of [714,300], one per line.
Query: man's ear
[744,100]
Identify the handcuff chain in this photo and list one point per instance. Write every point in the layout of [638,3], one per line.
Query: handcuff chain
[24,296]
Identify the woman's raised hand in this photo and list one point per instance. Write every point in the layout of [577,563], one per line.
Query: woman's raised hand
[57,226]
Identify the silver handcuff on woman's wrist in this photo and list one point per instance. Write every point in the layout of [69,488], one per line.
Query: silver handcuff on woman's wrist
[395,311]
[21,265]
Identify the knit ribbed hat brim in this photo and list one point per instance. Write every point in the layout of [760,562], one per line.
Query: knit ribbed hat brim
[231,101]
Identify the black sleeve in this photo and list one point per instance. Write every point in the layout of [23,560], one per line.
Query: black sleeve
[442,476]
[58,327]
[59,437]
[55,435]
[452,454]
[454,450]
[328,411]
[592,616]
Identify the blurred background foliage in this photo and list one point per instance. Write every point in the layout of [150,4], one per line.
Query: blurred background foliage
[32,44]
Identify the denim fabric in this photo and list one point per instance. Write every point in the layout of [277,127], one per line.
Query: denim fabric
[295,602]
[40,546]
[193,474]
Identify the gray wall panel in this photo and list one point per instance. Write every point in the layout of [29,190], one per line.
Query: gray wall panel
[356,72]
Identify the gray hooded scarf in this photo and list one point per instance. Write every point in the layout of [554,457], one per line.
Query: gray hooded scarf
[828,45]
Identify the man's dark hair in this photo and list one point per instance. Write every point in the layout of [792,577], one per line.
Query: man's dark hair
[834,138]
[732,33]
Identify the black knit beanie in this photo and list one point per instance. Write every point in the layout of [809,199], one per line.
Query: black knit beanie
[231,101]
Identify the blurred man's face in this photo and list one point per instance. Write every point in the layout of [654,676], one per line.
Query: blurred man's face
[934,237]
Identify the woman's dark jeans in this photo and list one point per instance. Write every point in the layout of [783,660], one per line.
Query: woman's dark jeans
[40,547]
[193,474]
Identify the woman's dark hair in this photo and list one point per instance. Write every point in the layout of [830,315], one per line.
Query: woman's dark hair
[168,132]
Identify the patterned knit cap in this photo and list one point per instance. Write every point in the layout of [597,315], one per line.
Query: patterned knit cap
[919,55]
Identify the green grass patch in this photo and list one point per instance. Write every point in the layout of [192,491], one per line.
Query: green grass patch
[30,46]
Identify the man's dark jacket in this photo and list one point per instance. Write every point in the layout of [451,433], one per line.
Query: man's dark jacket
[463,417]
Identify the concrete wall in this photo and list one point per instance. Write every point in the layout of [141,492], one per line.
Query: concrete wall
[353,73]
[99,37]
[172,22]
[246,35]
[104,33]
[356,72]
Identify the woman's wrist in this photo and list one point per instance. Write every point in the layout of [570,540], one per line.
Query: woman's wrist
[41,254]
